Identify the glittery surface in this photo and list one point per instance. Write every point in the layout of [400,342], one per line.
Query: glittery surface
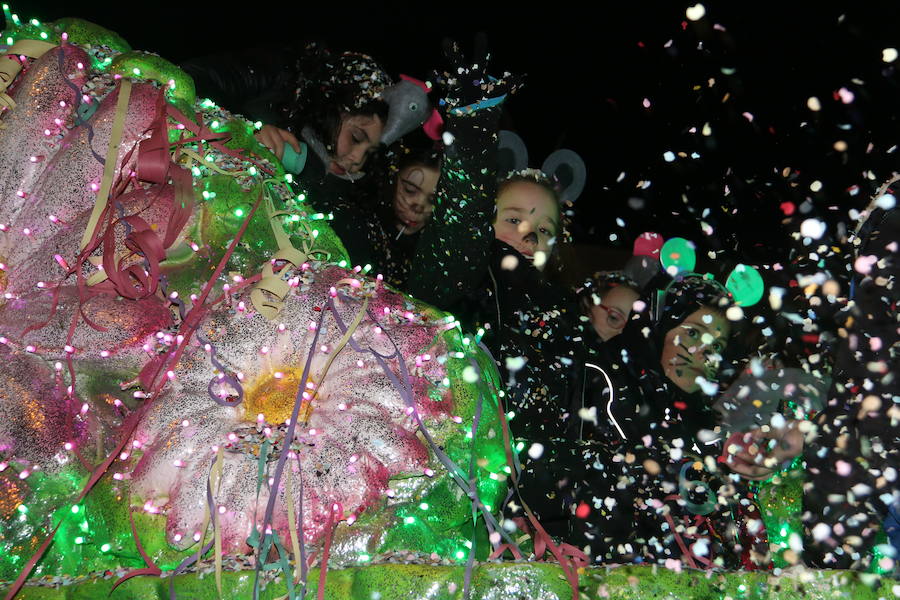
[509,581]
[152,205]
[44,95]
[36,416]
[359,446]
[86,33]
[72,176]
[359,441]
[154,67]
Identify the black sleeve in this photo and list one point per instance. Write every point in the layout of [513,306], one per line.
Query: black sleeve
[452,254]
[256,83]
[859,430]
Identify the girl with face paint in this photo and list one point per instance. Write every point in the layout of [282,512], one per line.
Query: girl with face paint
[645,484]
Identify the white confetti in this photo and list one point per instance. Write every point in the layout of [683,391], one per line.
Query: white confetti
[815,186]
[695,12]
[821,532]
[588,414]
[863,264]
[509,262]
[701,547]
[536,450]
[813,104]
[889,55]
[448,138]
[710,388]
[812,228]
[734,313]
[887,202]
[514,363]
[669,156]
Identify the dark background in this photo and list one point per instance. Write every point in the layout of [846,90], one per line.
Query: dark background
[746,68]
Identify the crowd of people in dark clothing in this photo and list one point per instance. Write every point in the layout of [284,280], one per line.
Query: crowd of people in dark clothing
[640,431]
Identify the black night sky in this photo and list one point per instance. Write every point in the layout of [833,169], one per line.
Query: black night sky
[747,69]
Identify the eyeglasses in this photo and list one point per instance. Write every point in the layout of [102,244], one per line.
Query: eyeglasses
[614,317]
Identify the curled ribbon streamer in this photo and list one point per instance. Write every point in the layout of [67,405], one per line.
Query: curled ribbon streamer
[141,241]
[150,375]
[204,134]
[292,525]
[217,526]
[288,439]
[153,152]
[323,373]
[150,569]
[209,165]
[109,168]
[268,295]
[542,540]
[687,552]
[323,566]
[402,385]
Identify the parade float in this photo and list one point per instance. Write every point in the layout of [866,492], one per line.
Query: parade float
[202,398]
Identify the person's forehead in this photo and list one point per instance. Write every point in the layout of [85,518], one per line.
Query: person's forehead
[528,199]
[369,123]
[620,292]
[708,319]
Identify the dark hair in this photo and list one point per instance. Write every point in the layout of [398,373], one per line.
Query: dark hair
[331,87]
[429,157]
[326,125]
[600,284]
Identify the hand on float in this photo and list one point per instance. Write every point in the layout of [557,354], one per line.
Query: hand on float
[275,138]
[758,454]
[467,85]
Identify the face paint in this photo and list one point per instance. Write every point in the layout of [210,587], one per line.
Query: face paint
[414,197]
[694,348]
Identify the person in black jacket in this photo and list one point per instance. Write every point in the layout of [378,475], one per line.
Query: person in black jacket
[646,485]
[532,329]
[333,102]
[332,97]
[853,461]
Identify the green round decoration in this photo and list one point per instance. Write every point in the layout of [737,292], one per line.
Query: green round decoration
[678,254]
[746,285]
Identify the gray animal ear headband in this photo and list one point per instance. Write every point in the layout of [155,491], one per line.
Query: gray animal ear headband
[564,167]
[408,107]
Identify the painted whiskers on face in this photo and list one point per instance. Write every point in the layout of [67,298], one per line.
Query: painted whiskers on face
[694,348]
[414,197]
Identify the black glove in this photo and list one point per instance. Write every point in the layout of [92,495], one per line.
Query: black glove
[467,84]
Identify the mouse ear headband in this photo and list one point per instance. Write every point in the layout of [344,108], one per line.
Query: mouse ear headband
[564,167]
[744,284]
